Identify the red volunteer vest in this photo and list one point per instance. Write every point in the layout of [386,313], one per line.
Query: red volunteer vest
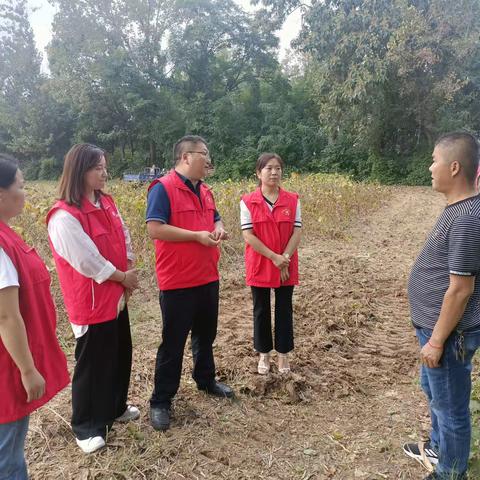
[38,313]
[186,264]
[86,301]
[274,228]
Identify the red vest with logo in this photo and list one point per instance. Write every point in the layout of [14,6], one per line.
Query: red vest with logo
[38,313]
[274,228]
[186,264]
[86,301]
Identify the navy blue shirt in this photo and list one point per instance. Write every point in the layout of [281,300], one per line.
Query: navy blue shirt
[158,203]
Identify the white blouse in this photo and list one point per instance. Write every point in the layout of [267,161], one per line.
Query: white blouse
[246,218]
[73,244]
[8,272]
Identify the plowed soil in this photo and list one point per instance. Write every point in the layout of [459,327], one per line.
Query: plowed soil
[343,413]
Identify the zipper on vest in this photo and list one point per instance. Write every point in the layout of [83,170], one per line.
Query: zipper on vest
[93,295]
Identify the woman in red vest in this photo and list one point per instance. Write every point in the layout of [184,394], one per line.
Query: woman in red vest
[92,252]
[33,368]
[271,226]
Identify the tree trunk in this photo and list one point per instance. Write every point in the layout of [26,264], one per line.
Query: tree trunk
[161,159]
[153,153]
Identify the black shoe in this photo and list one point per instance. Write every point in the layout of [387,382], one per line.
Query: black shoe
[217,389]
[436,476]
[423,453]
[160,418]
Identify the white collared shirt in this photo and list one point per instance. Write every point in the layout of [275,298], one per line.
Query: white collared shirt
[73,244]
[8,272]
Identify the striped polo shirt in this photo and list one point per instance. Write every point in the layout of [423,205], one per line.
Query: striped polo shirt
[452,248]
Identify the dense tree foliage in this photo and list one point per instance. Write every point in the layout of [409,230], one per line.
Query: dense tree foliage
[373,83]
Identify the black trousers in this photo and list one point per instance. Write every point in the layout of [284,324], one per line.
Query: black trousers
[101,377]
[183,310]
[262,319]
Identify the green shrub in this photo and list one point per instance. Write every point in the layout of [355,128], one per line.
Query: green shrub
[31,171]
[49,169]
[387,170]
[418,173]
[343,156]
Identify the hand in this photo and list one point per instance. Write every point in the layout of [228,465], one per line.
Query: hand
[220,234]
[34,384]
[131,279]
[284,274]
[207,239]
[280,261]
[128,294]
[430,356]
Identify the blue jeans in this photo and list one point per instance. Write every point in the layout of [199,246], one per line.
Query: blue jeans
[448,391]
[12,442]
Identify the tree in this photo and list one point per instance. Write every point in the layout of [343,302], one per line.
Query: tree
[19,77]
[388,76]
[140,73]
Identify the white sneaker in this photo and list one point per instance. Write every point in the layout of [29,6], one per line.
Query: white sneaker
[131,413]
[90,445]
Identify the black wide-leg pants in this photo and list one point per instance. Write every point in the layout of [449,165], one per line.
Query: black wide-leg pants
[183,310]
[262,319]
[101,377]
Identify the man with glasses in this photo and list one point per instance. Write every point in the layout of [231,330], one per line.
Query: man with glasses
[187,229]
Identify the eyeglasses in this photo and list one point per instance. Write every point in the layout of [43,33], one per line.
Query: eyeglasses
[205,154]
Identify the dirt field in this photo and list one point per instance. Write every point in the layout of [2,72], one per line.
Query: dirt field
[343,414]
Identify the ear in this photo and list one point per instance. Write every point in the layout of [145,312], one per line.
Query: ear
[455,168]
[185,158]
[258,174]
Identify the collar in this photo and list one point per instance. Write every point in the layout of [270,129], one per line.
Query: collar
[188,183]
[5,227]
[257,197]
[89,207]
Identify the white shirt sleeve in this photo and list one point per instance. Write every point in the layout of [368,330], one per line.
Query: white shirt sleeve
[77,248]
[8,272]
[298,215]
[128,240]
[245,217]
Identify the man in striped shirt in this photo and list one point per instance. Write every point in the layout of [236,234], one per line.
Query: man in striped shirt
[445,308]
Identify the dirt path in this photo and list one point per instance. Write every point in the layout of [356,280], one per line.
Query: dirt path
[343,414]
[356,355]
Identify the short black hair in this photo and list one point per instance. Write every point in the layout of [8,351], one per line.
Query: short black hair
[468,151]
[8,170]
[185,143]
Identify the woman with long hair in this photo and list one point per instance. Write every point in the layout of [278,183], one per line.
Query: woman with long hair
[33,368]
[92,251]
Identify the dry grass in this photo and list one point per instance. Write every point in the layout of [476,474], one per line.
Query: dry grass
[329,203]
[271,430]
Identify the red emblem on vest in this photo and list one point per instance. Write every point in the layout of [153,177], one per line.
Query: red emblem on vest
[286,212]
